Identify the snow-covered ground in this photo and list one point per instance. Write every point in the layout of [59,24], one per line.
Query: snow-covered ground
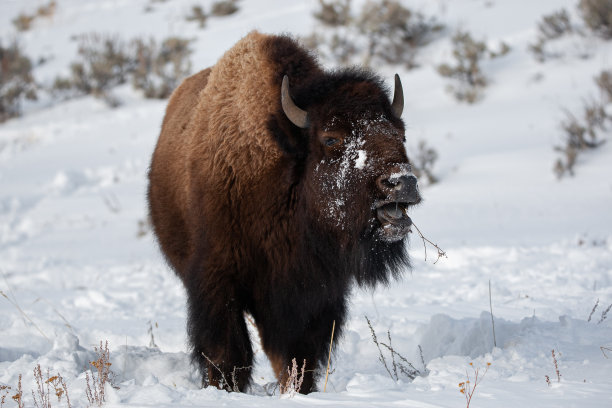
[76,271]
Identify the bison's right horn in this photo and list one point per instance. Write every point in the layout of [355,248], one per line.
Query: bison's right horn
[398,98]
[297,116]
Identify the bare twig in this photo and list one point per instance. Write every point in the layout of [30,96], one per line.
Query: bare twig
[556,366]
[593,311]
[441,253]
[492,320]
[381,356]
[331,341]
[603,350]
[604,314]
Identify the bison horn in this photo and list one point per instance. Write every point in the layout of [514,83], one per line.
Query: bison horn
[297,116]
[398,98]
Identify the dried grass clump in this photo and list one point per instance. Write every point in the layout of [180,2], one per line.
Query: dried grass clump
[382,31]
[468,76]
[597,15]
[223,8]
[16,80]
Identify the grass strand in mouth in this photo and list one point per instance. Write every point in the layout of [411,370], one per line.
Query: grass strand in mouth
[441,252]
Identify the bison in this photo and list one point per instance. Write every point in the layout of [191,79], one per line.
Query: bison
[273,188]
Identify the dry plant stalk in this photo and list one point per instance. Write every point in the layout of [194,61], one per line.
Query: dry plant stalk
[441,253]
[4,391]
[467,387]
[603,350]
[556,366]
[331,341]
[405,366]
[95,390]
[295,378]
[18,397]
[42,389]
[593,311]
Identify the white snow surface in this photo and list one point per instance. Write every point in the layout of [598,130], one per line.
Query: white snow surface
[75,271]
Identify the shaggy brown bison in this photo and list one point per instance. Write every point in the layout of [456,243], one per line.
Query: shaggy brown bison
[274,187]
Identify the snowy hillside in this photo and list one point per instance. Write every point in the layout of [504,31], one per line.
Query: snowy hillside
[79,266]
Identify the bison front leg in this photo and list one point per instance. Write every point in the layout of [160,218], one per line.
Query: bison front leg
[221,346]
[307,343]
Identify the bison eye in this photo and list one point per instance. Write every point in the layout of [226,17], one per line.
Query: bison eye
[331,141]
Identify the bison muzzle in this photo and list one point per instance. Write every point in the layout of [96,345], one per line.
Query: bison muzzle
[274,187]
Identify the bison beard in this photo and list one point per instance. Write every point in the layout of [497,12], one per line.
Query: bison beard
[274,206]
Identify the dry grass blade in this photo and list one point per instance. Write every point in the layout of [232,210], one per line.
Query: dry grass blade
[331,342]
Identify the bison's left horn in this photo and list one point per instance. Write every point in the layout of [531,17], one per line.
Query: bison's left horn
[297,116]
[398,98]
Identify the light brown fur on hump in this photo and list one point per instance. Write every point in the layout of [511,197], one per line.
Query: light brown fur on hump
[233,110]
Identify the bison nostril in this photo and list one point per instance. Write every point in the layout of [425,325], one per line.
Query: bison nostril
[403,188]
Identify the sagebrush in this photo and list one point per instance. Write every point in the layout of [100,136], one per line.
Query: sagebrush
[16,80]
[106,61]
[381,31]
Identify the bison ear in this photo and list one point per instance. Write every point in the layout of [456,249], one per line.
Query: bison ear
[398,98]
[297,116]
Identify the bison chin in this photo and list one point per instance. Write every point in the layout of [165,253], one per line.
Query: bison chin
[395,222]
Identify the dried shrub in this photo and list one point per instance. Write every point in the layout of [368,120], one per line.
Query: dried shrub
[223,8]
[398,362]
[97,379]
[468,76]
[468,387]
[104,63]
[551,27]
[198,15]
[159,69]
[423,162]
[295,378]
[604,83]
[23,21]
[597,15]
[555,25]
[393,31]
[383,30]
[107,61]
[585,134]
[334,13]
[42,396]
[16,80]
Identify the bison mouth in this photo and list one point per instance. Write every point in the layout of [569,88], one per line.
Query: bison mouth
[394,220]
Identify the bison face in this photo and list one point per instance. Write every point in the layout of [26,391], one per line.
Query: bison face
[357,177]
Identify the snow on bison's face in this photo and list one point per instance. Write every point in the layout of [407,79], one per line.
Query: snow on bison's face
[359,178]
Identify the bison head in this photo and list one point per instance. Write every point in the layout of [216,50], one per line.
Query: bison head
[356,173]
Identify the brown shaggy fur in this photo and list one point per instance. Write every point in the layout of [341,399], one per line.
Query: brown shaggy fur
[239,199]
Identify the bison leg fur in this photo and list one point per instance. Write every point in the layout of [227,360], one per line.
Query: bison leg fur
[309,342]
[221,347]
